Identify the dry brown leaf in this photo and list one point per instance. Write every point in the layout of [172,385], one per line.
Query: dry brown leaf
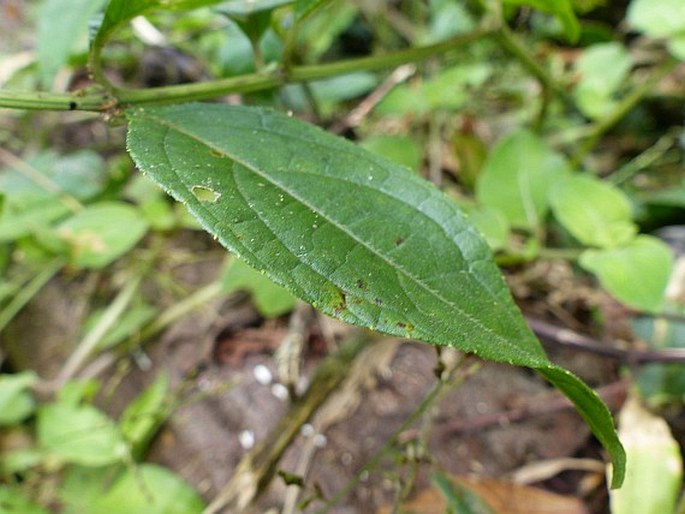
[502,497]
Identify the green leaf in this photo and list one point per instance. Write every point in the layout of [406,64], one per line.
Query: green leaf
[449,89]
[660,19]
[655,475]
[492,224]
[596,213]
[79,434]
[561,9]
[119,12]
[13,501]
[403,150]
[101,233]
[148,489]
[62,25]
[143,416]
[360,238]
[517,177]
[636,274]
[16,400]
[304,8]
[270,299]
[603,69]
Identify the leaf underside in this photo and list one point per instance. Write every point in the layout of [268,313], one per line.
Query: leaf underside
[358,237]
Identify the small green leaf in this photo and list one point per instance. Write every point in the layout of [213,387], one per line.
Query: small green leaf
[448,89]
[655,474]
[13,501]
[561,9]
[304,8]
[148,489]
[270,299]
[143,416]
[16,400]
[517,177]
[492,224]
[119,12]
[79,434]
[62,25]
[636,274]
[359,237]
[596,213]
[661,19]
[101,233]
[603,69]
[400,149]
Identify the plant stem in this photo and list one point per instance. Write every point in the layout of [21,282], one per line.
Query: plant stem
[42,101]
[242,84]
[506,38]
[91,340]
[28,291]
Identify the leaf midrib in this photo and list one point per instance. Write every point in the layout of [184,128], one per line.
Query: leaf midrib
[533,360]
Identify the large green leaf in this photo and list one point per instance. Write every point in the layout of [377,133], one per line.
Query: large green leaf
[359,237]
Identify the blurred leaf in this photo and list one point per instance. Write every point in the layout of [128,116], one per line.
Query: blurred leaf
[119,12]
[654,476]
[129,324]
[471,152]
[12,501]
[517,177]
[596,213]
[142,418]
[448,19]
[636,274]
[660,19]
[79,434]
[492,224]
[253,17]
[448,89]
[403,150]
[148,489]
[75,392]
[30,219]
[62,25]
[270,299]
[603,69]
[20,460]
[460,499]
[101,233]
[562,9]
[304,8]
[357,236]
[16,399]
[80,174]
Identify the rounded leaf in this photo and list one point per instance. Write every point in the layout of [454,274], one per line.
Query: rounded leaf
[596,213]
[636,274]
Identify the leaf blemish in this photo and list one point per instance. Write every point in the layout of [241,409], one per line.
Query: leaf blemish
[205,194]
[399,241]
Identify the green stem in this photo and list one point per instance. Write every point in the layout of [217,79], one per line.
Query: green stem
[29,291]
[506,38]
[242,84]
[41,101]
